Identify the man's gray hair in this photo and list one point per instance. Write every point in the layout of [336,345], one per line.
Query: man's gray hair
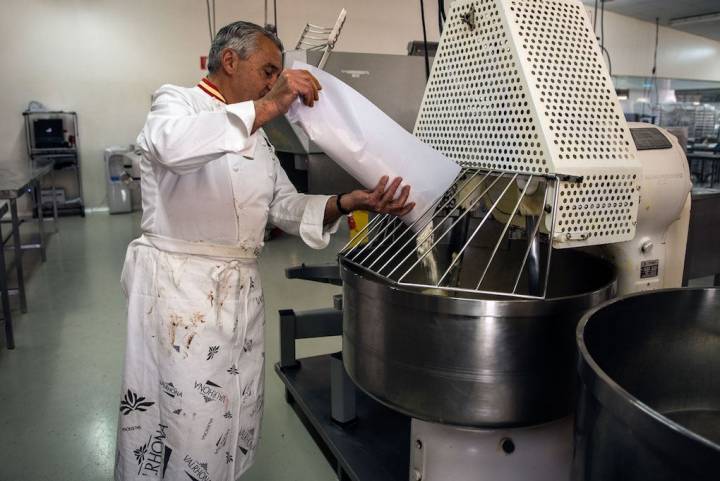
[242,38]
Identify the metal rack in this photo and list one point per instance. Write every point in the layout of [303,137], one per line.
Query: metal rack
[454,246]
[63,153]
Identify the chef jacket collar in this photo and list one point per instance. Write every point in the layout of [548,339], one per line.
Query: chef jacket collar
[209,88]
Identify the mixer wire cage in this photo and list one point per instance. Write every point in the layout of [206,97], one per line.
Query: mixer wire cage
[487,235]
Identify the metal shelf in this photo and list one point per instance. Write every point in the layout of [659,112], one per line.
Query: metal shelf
[62,158]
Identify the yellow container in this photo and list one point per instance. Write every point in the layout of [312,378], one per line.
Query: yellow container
[357,221]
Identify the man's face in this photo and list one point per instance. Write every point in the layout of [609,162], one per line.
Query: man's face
[253,77]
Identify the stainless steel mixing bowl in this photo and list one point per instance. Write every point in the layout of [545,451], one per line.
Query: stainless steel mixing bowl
[649,407]
[471,361]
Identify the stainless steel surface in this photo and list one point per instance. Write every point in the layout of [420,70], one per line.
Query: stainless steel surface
[436,250]
[395,83]
[702,256]
[534,280]
[14,182]
[326,177]
[4,292]
[475,361]
[649,407]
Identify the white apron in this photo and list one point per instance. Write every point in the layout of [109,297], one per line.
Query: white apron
[193,379]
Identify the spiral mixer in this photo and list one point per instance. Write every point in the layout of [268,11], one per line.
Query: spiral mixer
[464,321]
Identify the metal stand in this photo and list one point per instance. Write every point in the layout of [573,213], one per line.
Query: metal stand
[342,392]
[4,294]
[61,156]
[13,185]
[37,195]
[362,439]
[18,254]
[311,324]
[305,325]
[373,448]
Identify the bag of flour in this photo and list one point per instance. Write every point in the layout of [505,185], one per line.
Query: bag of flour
[368,144]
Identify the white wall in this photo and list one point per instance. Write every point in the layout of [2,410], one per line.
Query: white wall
[681,55]
[104,58]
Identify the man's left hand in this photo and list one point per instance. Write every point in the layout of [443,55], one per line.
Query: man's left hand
[381,199]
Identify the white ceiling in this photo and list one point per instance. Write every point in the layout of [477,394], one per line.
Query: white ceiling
[666,10]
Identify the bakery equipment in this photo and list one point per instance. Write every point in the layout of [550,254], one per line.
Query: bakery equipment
[650,400]
[464,322]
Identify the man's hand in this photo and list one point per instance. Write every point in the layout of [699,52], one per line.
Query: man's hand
[290,85]
[381,199]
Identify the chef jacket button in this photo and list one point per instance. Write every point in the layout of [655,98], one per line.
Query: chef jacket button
[236,167]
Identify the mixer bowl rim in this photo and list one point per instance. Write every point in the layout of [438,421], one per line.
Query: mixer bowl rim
[608,389]
[498,307]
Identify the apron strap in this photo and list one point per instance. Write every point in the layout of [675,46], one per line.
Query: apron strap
[178,246]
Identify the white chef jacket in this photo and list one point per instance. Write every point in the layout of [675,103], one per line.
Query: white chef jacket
[193,382]
[207,178]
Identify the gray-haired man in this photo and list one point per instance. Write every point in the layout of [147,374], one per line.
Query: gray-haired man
[192,394]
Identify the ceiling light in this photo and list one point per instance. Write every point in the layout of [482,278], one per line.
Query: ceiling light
[708,17]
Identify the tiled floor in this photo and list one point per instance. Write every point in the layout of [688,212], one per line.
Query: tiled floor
[59,389]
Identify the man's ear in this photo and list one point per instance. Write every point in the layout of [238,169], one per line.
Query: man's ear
[228,60]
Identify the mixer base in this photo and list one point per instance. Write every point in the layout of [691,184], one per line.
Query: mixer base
[378,445]
[450,453]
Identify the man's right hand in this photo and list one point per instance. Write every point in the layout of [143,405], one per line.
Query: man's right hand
[290,85]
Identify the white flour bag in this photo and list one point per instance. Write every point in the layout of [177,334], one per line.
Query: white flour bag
[368,144]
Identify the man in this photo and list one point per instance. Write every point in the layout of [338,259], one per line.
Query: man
[192,391]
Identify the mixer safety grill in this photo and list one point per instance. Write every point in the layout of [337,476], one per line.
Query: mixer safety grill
[521,86]
[476,109]
[609,197]
[577,102]
[487,235]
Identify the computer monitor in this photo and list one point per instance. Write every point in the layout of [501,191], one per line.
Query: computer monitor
[49,133]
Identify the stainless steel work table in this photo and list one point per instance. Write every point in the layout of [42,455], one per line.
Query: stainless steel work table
[14,183]
[702,256]
[703,158]
[4,292]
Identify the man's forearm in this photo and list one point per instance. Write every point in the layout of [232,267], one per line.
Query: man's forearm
[265,111]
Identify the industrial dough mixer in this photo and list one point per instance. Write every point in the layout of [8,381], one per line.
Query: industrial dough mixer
[465,320]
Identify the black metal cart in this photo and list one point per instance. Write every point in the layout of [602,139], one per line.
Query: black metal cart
[52,138]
